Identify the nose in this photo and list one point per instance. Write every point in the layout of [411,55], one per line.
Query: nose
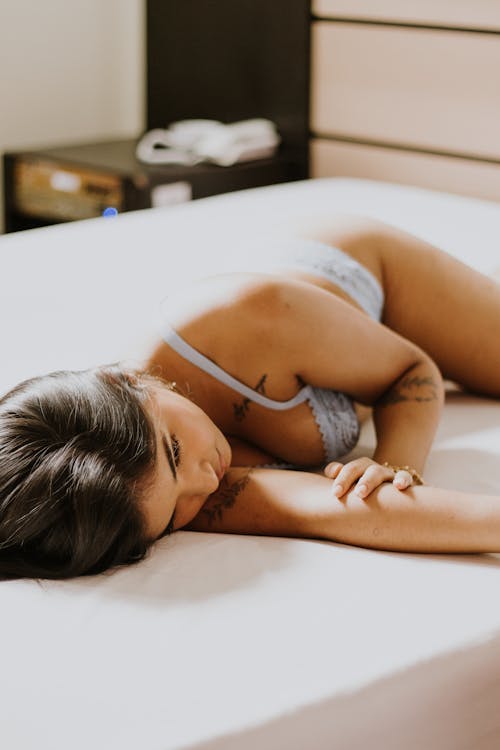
[196,489]
[202,480]
[210,470]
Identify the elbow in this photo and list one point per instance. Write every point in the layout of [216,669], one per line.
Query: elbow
[420,381]
[425,368]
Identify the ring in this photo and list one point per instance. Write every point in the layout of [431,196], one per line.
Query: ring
[415,476]
[404,471]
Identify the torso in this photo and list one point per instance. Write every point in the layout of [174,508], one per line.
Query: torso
[257,434]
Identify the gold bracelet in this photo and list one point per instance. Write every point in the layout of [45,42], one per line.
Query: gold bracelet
[417,479]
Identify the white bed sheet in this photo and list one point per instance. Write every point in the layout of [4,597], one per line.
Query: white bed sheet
[222,641]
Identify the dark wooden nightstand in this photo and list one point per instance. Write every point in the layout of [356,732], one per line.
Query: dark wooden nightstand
[56,185]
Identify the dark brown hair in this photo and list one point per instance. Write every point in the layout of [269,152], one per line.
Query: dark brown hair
[76,452]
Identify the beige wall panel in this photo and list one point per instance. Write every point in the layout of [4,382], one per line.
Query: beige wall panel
[474,14]
[452,175]
[439,90]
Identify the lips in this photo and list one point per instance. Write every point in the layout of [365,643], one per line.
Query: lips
[222,468]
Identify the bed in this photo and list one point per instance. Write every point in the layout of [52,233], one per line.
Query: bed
[222,641]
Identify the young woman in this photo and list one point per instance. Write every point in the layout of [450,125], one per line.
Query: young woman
[255,391]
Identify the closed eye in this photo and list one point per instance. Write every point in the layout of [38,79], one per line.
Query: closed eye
[172,454]
[176,446]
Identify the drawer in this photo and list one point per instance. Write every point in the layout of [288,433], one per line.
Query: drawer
[439,90]
[472,14]
[41,188]
[453,175]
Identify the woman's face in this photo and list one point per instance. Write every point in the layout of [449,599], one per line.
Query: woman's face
[192,455]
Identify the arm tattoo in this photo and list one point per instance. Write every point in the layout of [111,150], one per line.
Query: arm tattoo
[225,497]
[412,388]
[240,410]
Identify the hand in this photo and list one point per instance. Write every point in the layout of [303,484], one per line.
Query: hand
[366,474]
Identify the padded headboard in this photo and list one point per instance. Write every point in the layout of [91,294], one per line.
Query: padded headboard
[407,92]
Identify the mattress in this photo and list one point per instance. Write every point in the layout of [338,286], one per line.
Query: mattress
[225,641]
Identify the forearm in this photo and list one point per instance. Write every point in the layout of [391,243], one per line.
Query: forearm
[420,519]
[300,504]
[406,417]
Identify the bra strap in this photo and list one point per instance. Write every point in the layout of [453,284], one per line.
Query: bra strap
[187,351]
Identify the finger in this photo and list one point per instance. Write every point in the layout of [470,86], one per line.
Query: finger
[372,478]
[332,469]
[348,475]
[403,480]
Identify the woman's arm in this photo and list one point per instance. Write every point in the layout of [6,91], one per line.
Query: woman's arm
[300,504]
[330,344]
[407,415]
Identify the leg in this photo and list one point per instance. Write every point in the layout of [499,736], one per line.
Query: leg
[448,309]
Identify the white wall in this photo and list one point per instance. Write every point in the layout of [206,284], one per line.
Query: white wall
[70,71]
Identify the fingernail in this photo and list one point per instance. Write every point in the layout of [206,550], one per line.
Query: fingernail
[361,489]
[337,489]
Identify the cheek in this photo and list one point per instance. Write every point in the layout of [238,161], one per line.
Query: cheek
[201,432]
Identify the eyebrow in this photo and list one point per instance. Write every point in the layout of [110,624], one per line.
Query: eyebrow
[170,456]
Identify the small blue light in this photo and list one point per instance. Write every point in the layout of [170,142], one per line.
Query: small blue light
[110,211]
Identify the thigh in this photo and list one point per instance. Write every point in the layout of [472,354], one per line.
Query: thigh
[446,307]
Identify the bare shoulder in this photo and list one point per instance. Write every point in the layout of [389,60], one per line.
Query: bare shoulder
[231,319]
[219,292]
[217,305]
[234,312]
[237,302]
